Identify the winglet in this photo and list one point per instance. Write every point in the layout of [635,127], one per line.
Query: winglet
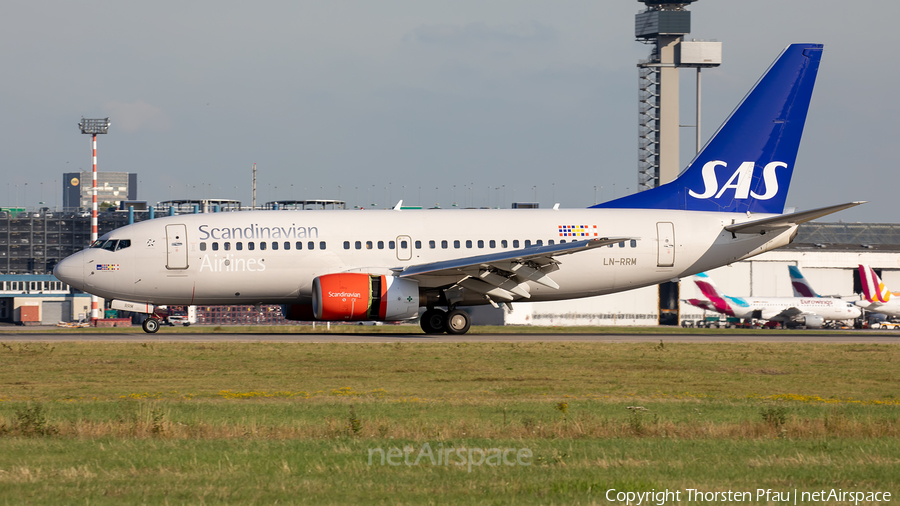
[398,206]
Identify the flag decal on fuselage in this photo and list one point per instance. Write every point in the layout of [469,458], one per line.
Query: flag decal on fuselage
[578,231]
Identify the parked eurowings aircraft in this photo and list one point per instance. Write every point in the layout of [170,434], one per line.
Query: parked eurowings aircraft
[725,206]
[878,299]
[812,310]
[801,286]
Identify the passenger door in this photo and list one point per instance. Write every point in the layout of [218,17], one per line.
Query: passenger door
[665,233]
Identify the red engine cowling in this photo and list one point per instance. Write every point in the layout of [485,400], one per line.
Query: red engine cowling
[358,296]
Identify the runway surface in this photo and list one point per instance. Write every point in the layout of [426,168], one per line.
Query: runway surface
[137,336]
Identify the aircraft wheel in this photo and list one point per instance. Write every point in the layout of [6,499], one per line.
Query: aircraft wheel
[432,321]
[458,322]
[150,325]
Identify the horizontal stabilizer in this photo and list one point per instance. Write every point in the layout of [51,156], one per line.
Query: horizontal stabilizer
[786,220]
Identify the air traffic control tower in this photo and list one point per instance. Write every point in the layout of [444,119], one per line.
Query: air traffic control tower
[663,25]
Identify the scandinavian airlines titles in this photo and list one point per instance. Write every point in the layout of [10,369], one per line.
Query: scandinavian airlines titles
[739,181]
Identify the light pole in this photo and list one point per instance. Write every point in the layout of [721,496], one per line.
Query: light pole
[93,127]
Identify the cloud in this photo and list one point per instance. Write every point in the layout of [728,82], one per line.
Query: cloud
[135,116]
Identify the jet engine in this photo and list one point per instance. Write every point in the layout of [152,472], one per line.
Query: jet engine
[812,321]
[358,296]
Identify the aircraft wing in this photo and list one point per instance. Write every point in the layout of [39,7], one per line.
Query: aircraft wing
[502,275]
[786,220]
[788,313]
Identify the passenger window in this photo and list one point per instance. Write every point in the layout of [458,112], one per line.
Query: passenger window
[403,245]
[562,241]
[239,246]
[298,245]
[124,243]
[215,246]
[503,243]
[287,245]
[262,246]
[611,245]
[202,246]
[274,245]
[391,245]
[358,244]
[456,244]
[539,243]
[380,244]
[312,245]
[431,244]
[515,243]
[227,246]
[444,244]
[493,243]
[418,244]
[251,246]
[527,242]
[622,244]
[346,244]
[468,243]
[321,244]
[634,243]
[480,243]
[368,244]
[550,242]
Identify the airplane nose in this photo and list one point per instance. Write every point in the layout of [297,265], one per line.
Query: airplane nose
[71,271]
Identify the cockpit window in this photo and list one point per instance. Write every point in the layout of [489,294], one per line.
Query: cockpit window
[111,244]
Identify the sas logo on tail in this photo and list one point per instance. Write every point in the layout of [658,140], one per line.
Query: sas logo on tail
[739,181]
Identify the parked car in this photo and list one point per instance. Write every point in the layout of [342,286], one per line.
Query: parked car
[178,319]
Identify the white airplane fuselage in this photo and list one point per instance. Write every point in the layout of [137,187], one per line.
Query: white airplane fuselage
[772,308]
[156,269]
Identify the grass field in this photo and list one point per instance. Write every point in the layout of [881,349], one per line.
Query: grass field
[232,423]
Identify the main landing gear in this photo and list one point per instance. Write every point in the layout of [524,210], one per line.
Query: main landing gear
[438,321]
[150,325]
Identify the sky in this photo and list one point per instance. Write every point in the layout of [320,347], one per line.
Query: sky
[466,101]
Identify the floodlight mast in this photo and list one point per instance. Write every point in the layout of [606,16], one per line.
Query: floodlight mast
[94,127]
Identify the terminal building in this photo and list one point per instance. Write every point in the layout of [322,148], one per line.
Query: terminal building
[112,187]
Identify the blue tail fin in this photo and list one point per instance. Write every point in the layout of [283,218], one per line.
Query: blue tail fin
[748,163]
